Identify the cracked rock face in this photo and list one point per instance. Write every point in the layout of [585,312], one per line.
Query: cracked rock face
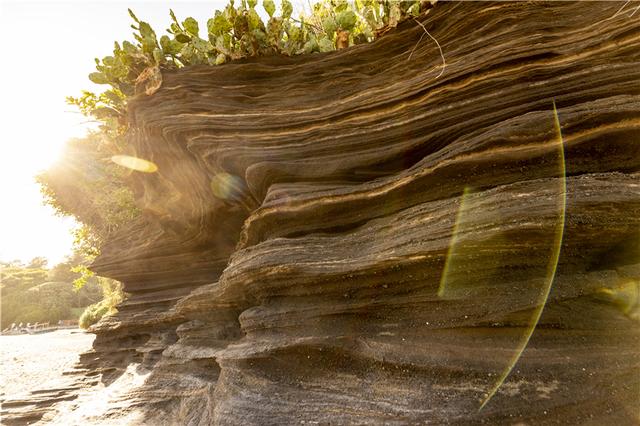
[348,238]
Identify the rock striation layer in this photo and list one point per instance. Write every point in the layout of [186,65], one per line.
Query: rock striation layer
[367,236]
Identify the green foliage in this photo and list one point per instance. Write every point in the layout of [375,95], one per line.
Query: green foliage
[34,294]
[85,274]
[38,262]
[21,277]
[112,295]
[235,32]
[93,313]
[63,271]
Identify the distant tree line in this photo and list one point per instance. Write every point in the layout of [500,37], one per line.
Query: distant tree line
[32,292]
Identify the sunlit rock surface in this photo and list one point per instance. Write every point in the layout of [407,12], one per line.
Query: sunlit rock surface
[365,236]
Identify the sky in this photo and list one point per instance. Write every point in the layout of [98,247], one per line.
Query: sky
[48,50]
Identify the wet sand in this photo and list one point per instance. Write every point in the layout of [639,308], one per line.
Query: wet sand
[30,362]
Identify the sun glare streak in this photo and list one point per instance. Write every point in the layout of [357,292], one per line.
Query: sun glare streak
[453,245]
[551,267]
[135,163]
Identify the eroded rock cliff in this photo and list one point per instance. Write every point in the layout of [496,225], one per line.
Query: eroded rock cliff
[366,236]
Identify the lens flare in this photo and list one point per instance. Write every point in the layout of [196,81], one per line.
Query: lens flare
[452,254]
[551,267]
[135,163]
[227,186]
[625,296]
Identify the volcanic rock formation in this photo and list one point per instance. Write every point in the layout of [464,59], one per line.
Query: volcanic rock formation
[367,236]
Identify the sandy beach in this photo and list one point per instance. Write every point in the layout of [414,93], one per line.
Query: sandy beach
[30,362]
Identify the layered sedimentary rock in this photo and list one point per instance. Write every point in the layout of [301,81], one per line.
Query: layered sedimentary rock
[366,236]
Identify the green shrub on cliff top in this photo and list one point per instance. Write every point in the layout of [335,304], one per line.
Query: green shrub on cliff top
[235,32]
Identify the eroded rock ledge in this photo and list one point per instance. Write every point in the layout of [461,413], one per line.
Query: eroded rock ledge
[287,265]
